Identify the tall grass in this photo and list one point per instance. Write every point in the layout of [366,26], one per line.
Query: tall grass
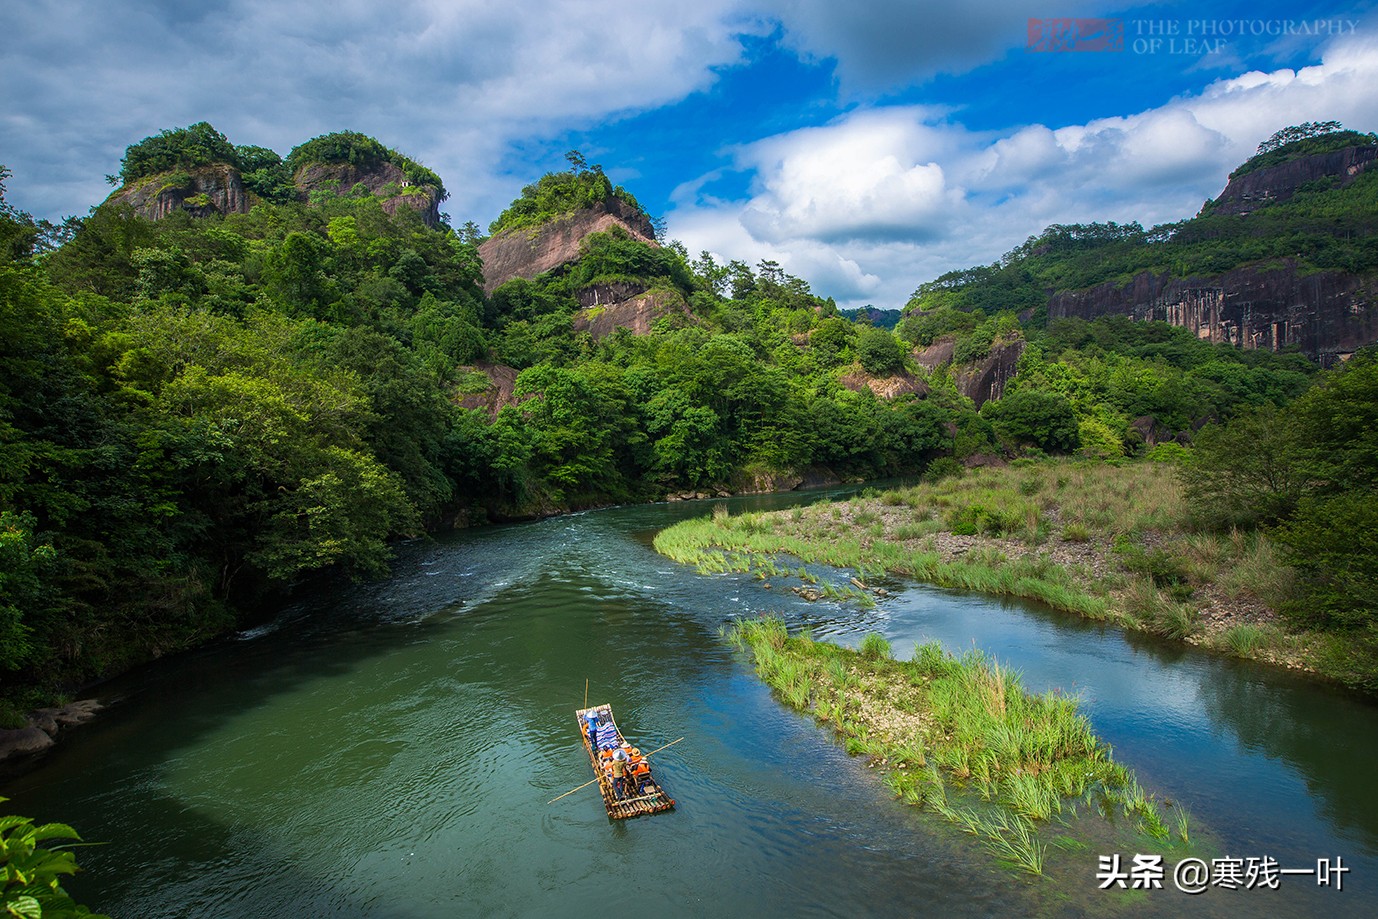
[946,725]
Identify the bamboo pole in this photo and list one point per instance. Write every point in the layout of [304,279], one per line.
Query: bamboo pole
[658,749]
[586,693]
[573,790]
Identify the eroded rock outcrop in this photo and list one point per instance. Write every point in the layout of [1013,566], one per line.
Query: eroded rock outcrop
[385,181]
[637,314]
[219,189]
[202,191]
[980,381]
[1328,315]
[1275,184]
[492,397]
[44,726]
[984,380]
[890,386]
[526,253]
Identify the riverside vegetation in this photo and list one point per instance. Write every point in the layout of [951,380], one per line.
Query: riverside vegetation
[961,737]
[1137,544]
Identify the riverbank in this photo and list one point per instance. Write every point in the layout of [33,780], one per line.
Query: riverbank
[1110,543]
[962,738]
[27,725]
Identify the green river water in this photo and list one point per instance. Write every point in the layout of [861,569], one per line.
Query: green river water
[388,750]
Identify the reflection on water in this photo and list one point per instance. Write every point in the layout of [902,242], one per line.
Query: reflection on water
[388,751]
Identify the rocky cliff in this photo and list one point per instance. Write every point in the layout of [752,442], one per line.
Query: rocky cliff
[1328,315]
[487,387]
[219,189]
[203,190]
[636,312]
[980,381]
[1273,305]
[384,180]
[1274,184]
[526,253]
[890,386]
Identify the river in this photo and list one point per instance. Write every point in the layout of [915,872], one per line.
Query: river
[388,750]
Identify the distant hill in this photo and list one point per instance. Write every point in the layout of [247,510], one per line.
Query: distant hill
[1285,257]
[881,319]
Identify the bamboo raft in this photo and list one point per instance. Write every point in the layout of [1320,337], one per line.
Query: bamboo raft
[653,800]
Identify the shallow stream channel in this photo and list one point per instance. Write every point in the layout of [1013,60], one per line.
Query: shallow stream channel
[388,750]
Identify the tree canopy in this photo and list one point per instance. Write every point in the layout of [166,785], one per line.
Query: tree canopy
[556,194]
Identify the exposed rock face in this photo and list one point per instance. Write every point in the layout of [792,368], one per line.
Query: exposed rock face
[24,741]
[936,354]
[636,314]
[527,253]
[985,460]
[214,189]
[887,387]
[982,380]
[218,189]
[985,379]
[1151,430]
[1327,315]
[500,392]
[385,180]
[1278,183]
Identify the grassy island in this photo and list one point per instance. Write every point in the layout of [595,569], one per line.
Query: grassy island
[962,738]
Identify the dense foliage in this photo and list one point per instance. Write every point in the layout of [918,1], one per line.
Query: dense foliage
[197,412]
[559,193]
[268,175]
[176,148]
[194,412]
[361,151]
[1309,471]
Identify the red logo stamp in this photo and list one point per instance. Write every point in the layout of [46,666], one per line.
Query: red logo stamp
[1076,35]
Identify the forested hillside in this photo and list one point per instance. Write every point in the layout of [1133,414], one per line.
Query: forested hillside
[1284,257]
[198,411]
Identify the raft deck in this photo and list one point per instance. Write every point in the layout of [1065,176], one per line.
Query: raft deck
[652,801]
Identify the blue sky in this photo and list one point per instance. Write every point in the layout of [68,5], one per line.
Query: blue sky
[867,147]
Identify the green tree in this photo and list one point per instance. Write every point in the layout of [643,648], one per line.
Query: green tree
[878,351]
[1035,418]
[24,568]
[1331,543]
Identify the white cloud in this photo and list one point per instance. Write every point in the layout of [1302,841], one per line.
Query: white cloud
[903,194]
[455,83]
[872,176]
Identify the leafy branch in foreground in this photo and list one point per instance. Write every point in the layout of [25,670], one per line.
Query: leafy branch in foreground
[32,871]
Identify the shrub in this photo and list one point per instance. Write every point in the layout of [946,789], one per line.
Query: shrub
[879,352]
[874,647]
[944,467]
